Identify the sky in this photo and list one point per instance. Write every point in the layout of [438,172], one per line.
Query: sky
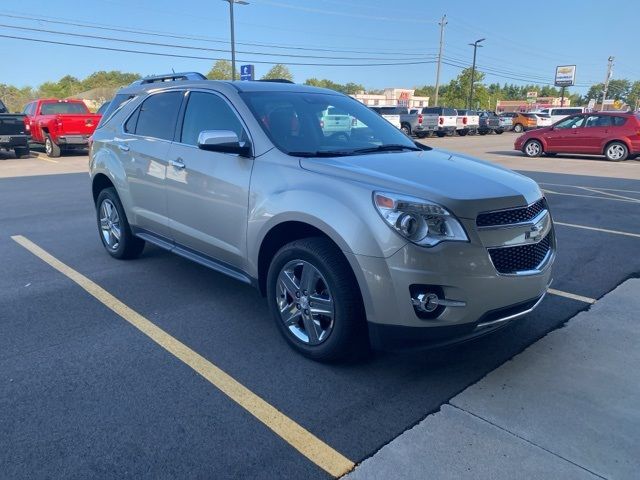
[524,41]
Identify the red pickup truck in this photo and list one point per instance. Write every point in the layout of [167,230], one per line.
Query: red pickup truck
[60,124]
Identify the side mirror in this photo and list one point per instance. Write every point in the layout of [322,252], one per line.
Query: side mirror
[223,141]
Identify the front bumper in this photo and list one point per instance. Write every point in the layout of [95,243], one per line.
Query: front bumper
[465,274]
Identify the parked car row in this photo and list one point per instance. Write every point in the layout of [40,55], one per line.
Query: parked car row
[14,132]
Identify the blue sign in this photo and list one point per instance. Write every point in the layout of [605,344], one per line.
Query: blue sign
[246,72]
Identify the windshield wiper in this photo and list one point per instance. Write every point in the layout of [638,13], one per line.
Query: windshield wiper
[321,153]
[391,147]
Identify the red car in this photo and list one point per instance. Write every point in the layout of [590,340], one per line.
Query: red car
[60,124]
[614,135]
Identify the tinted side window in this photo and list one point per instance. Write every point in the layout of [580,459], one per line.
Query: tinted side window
[206,111]
[158,114]
[598,121]
[618,121]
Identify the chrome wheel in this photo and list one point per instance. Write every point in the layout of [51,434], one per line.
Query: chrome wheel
[533,149]
[616,152]
[305,302]
[110,224]
[48,147]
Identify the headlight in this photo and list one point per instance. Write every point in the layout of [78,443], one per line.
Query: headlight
[419,221]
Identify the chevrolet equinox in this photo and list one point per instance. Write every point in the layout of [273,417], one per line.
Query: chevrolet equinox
[357,236]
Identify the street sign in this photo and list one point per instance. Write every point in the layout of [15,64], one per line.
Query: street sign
[592,104]
[565,75]
[246,72]
[532,94]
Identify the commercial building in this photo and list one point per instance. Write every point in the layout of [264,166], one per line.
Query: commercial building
[393,97]
[531,104]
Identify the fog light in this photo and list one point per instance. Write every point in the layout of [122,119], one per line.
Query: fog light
[429,302]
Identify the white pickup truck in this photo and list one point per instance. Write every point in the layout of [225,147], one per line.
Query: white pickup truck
[447,119]
[468,121]
[334,121]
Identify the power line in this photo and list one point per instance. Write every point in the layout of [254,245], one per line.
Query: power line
[174,55]
[156,33]
[156,44]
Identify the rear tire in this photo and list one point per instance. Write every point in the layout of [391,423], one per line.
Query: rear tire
[483,132]
[616,152]
[533,148]
[441,134]
[331,287]
[113,227]
[406,129]
[463,133]
[422,135]
[499,131]
[22,152]
[51,148]
[518,128]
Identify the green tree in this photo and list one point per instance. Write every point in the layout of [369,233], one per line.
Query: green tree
[349,88]
[221,70]
[278,71]
[425,91]
[633,99]
[457,93]
[619,89]
[65,87]
[113,78]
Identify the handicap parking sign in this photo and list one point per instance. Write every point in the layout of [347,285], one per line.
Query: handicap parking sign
[246,72]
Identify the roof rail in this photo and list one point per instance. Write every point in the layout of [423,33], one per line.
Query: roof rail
[275,80]
[170,77]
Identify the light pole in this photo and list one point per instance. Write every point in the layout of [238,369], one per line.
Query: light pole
[233,37]
[475,46]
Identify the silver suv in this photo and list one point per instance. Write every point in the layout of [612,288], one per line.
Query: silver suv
[358,237]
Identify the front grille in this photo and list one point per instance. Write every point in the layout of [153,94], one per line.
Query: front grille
[511,216]
[510,260]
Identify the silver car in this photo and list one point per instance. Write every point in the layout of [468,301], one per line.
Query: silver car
[357,240]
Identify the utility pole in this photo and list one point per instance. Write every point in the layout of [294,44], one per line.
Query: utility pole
[606,81]
[233,36]
[475,46]
[443,22]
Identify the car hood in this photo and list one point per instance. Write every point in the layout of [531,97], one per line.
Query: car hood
[464,185]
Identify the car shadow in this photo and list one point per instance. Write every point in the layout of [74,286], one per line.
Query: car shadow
[80,152]
[597,158]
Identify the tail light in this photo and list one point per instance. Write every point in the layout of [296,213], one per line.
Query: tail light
[354,121]
[321,123]
[464,120]
[420,119]
[27,126]
[441,120]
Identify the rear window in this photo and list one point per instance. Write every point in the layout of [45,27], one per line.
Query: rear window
[157,116]
[335,111]
[63,108]
[435,110]
[449,111]
[620,121]
[3,109]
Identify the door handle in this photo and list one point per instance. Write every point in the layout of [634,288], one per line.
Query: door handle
[178,163]
[124,147]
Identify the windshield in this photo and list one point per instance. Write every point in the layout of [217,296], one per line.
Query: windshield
[318,124]
[63,107]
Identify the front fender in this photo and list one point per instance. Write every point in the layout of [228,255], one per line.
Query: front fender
[341,209]
[105,162]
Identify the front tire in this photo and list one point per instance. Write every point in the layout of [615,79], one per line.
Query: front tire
[533,148]
[616,152]
[315,300]
[113,227]
[499,131]
[518,128]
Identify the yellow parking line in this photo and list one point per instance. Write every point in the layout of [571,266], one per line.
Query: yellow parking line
[572,296]
[297,436]
[615,232]
[44,159]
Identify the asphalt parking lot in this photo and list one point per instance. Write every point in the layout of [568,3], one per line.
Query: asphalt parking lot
[87,388]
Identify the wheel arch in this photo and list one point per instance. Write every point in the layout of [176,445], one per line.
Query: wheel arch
[100,182]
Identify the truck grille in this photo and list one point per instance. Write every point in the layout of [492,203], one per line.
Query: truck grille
[511,216]
[522,258]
